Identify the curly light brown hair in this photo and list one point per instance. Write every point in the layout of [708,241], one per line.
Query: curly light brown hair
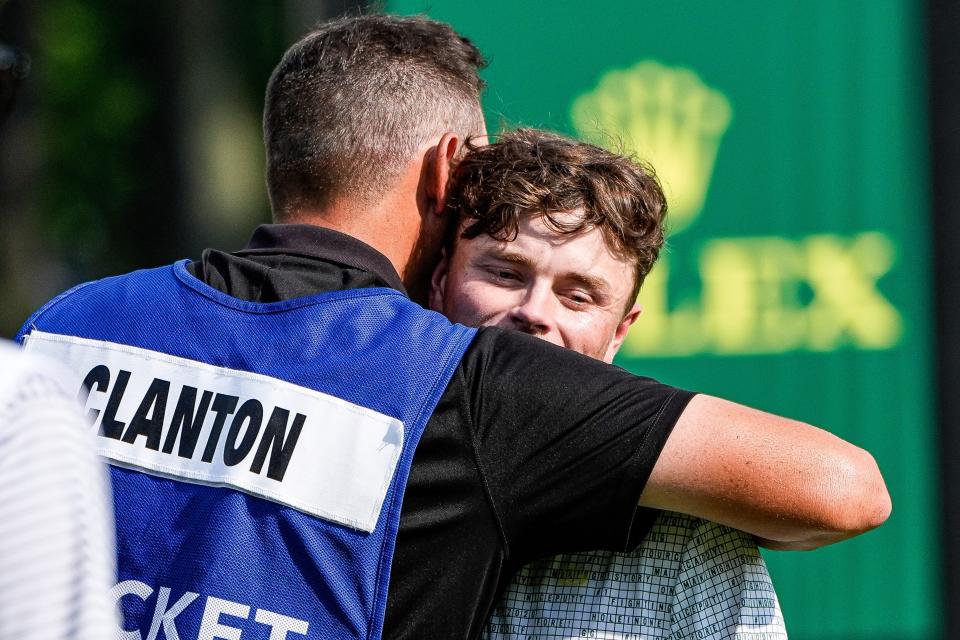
[530,172]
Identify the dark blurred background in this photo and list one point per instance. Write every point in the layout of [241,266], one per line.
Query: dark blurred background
[811,151]
[135,138]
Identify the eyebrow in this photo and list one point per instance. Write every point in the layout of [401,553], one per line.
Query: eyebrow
[505,255]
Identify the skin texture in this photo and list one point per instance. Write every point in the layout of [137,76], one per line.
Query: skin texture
[792,485]
[569,290]
[406,224]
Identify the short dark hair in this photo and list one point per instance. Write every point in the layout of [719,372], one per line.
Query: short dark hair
[529,172]
[352,101]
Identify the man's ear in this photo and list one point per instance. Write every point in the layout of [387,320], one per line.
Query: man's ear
[621,333]
[438,282]
[437,171]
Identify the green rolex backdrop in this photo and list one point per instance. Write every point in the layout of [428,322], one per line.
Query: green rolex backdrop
[790,140]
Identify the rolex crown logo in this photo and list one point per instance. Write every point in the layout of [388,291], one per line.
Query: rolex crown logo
[667,116]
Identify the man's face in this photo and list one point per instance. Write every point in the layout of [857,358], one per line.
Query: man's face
[567,289]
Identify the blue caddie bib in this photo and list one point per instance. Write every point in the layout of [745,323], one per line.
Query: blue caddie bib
[259,452]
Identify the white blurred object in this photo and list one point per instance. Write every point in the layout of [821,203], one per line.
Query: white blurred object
[56,528]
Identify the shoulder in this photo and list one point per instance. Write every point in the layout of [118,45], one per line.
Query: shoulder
[87,293]
[517,369]
[498,355]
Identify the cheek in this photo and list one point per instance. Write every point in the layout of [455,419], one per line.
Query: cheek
[475,303]
[587,334]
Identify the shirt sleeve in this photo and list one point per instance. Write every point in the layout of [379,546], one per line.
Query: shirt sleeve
[566,443]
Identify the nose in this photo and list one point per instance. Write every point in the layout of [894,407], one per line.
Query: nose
[532,314]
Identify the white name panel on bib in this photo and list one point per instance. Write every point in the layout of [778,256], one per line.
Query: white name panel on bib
[210,425]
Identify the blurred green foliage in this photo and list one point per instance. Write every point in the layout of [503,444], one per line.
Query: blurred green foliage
[99,87]
[111,133]
[107,75]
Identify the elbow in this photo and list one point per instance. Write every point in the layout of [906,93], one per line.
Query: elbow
[852,500]
[863,502]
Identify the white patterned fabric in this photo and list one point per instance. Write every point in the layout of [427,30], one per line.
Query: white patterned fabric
[688,579]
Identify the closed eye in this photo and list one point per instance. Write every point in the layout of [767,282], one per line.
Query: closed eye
[504,275]
[579,297]
[583,290]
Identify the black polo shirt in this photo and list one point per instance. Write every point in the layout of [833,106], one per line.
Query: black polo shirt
[533,450]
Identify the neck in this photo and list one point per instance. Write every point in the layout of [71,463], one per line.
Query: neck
[383,225]
[393,224]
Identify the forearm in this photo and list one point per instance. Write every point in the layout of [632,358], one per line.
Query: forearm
[792,485]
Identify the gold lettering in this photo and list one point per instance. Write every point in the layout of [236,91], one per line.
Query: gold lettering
[846,302]
[771,295]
